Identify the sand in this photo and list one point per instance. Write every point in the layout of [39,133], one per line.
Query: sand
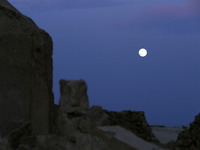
[166,134]
[130,138]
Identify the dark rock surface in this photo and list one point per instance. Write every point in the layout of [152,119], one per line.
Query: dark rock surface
[72,105]
[16,135]
[4,144]
[134,121]
[189,139]
[25,72]
[74,96]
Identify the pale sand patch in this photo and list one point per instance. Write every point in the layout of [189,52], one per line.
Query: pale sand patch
[166,134]
[130,138]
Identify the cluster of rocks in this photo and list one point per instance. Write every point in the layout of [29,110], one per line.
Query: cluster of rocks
[133,121]
[189,139]
[29,119]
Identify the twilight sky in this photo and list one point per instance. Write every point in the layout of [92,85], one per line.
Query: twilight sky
[98,41]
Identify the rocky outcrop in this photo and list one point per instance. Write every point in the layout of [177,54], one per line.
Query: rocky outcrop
[74,96]
[75,115]
[133,121]
[25,72]
[73,105]
[29,119]
[77,123]
[28,115]
[189,139]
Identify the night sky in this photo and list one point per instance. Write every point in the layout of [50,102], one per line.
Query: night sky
[98,41]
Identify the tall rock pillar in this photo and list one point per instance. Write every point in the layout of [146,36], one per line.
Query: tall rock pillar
[25,72]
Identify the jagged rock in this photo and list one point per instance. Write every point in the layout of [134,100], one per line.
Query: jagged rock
[133,121]
[98,115]
[25,71]
[74,96]
[27,110]
[89,120]
[73,105]
[189,139]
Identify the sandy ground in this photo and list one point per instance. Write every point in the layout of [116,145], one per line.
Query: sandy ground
[166,134]
[130,138]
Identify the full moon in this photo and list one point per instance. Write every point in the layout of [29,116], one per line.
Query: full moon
[142,52]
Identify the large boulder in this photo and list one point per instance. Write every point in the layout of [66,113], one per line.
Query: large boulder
[189,139]
[25,72]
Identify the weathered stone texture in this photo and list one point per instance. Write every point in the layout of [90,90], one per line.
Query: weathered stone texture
[74,96]
[72,105]
[189,139]
[25,71]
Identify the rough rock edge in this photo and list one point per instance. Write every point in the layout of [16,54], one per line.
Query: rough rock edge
[11,11]
[189,139]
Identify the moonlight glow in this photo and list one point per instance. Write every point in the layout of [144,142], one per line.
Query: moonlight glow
[142,52]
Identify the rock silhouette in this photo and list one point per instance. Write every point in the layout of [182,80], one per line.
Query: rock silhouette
[189,139]
[72,106]
[25,72]
[134,121]
[29,119]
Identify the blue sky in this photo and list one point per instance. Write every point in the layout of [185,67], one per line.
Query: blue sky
[98,41]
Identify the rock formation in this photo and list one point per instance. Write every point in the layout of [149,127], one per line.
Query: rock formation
[133,121]
[189,139]
[25,72]
[74,96]
[75,123]
[76,129]
[29,119]
[72,105]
